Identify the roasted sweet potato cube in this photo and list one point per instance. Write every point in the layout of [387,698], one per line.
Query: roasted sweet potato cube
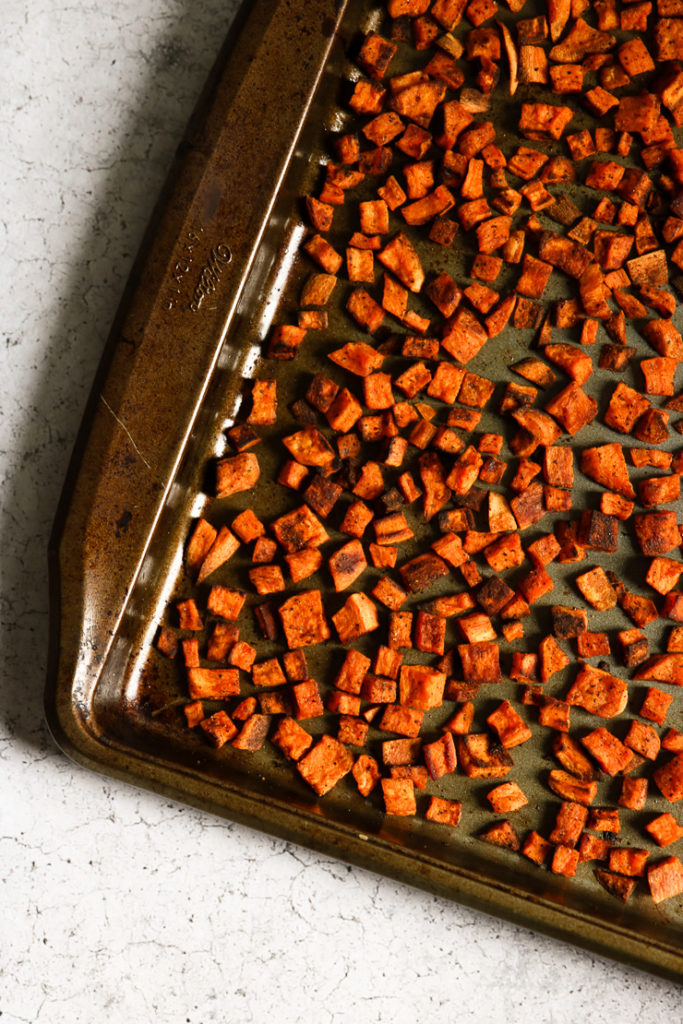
[536,848]
[480,756]
[347,564]
[267,579]
[643,740]
[304,563]
[598,531]
[213,683]
[444,812]
[402,720]
[236,473]
[659,375]
[461,722]
[501,834]
[570,822]
[399,796]
[569,753]
[493,233]
[291,738]
[593,645]
[440,756]
[480,662]
[552,658]
[659,490]
[599,692]
[608,751]
[664,829]
[568,787]
[303,619]
[655,705]
[299,529]
[565,861]
[421,572]
[400,257]
[430,633]
[663,574]
[506,798]
[325,764]
[535,585]
[357,617]
[194,713]
[421,687]
[190,652]
[509,726]
[199,545]
[628,862]
[352,730]
[253,733]
[568,622]
[597,589]
[219,729]
[312,320]
[669,779]
[665,878]
[607,466]
[360,265]
[225,603]
[367,774]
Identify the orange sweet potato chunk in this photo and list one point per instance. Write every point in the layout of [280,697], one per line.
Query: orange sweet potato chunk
[325,764]
[303,620]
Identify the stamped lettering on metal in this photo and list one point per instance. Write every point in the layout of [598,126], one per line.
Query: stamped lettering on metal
[182,267]
[210,274]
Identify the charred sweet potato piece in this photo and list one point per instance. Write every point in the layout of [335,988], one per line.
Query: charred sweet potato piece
[481,757]
[618,885]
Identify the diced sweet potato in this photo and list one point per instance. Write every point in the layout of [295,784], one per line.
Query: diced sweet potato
[570,822]
[509,726]
[669,779]
[219,729]
[421,687]
[481,757]
[325,764]
[213,683]
[444,812]
[608,751]
[536,848]
[303,619]
[665,878]
[618,885]
[501,834]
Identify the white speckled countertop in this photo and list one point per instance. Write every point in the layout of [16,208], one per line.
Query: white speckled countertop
[117,904]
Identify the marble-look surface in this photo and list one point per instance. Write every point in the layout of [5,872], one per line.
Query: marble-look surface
[117,904]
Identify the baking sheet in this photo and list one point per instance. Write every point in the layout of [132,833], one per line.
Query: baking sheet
[211,280]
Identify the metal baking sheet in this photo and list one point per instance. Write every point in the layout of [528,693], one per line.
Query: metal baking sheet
[220,264]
